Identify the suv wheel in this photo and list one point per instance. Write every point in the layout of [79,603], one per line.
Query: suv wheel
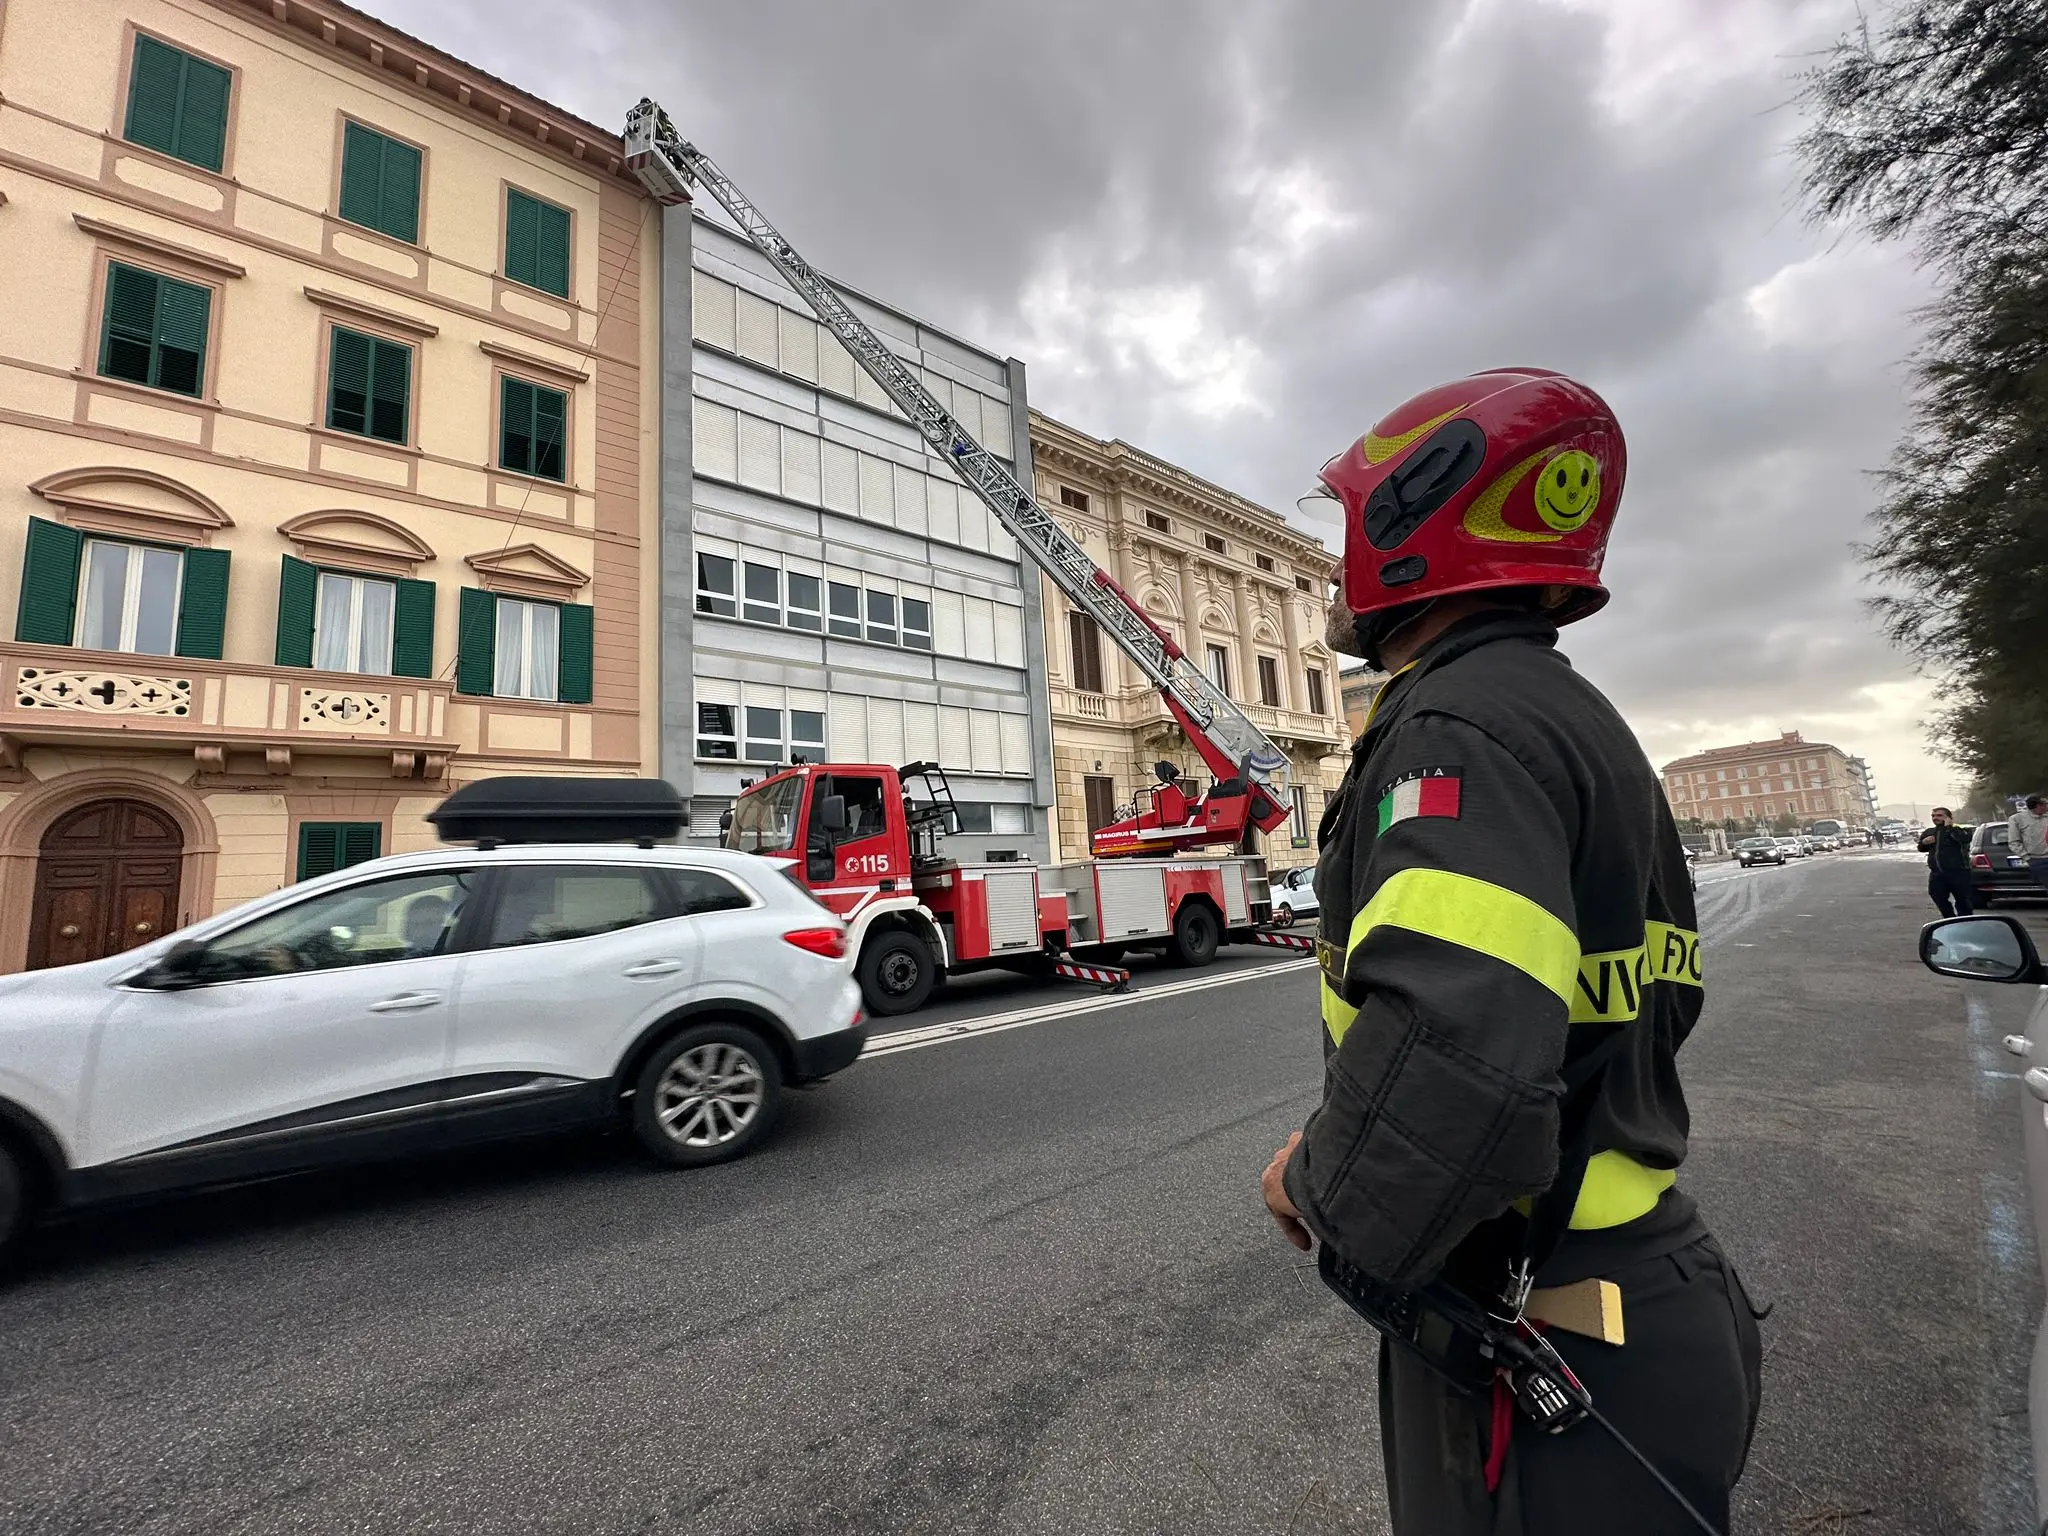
[896,973]
[1195,934]
[14,1211]
[707,1095]
[1283,916]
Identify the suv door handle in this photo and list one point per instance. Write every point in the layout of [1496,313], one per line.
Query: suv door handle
[406,1002]
[648,968]
[2037,1083]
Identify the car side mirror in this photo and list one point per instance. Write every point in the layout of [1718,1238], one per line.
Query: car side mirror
[1994,948]
[832,814]
[182,965]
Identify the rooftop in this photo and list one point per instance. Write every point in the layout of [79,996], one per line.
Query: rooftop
[1785,740]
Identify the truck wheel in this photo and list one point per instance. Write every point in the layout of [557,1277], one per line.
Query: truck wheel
[706,1096]
[896,973]
[1195,934]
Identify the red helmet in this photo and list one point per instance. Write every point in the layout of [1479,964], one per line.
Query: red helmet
[1509,478]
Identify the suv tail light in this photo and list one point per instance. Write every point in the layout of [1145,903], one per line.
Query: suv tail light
[829,942]
[1980,861]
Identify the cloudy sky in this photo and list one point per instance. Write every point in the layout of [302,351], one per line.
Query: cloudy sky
[1237,234]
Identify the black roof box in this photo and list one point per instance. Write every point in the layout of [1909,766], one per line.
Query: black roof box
[545,810]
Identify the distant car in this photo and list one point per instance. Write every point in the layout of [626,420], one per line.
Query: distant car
[1794,849]
[1996,871]
[1999,949]
[1294,896]
[1759,850]
[411,1002]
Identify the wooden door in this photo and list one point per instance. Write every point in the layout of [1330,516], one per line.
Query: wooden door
[106,880]
[1098,796]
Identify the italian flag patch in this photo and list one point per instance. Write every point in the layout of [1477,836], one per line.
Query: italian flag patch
[1425,792]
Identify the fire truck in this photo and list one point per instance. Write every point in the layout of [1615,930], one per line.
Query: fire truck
[853,835]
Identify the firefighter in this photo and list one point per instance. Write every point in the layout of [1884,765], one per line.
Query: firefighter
[1509,967]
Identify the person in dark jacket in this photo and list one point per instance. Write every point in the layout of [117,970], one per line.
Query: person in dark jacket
[1510,963]
[1947,847]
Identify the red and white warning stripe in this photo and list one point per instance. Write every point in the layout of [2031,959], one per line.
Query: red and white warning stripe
[1300,941]
[1101,975]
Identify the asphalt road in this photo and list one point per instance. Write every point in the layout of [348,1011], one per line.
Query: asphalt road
[1017,1279]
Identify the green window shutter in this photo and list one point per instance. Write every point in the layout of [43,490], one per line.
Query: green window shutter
[553,243]
[550,410]
[576,654]
[476,642]
[412,630]
[203,115]
[390,390]
[325,846]
[360,842]
[297,585]
[181,318]
[49,583]
[515,426]
[522,239]
[203,604]
[380,183]
[348,382]
[128,326]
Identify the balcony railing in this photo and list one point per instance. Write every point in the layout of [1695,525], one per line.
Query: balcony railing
[61,694]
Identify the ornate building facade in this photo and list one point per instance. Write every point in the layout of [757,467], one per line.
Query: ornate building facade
[1241,592]
[327,419]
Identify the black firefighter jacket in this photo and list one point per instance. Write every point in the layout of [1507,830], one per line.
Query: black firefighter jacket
[1502,887]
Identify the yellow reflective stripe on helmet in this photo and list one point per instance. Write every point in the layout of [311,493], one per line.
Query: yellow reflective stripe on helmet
[1477,915]
[1617,1188]
[1674,953]
[1338,1015]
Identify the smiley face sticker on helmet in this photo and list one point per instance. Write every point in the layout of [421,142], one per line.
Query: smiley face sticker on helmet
[1568,489]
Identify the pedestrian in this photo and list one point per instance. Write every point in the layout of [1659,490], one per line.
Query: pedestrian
[2028,830]
[1509,964]
[1947,847]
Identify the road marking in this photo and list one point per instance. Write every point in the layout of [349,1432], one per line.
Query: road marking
[964,1029]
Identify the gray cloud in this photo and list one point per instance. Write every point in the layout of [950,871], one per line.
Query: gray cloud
[1238,234]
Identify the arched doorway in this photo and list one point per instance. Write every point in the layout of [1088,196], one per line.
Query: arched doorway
[106,880]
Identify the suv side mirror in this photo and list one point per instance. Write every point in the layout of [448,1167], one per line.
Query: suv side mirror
[832,814]
[1995,948]
[182,965]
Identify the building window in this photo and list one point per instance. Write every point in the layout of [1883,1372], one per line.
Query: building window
[1098,800]
[1214,544]
[1303,584]
[718,731]
[1069,497]
[380,183]
[1084,647]
[806,735]
[325,846]
[764,594]
[1317,703]
[520,649]
[153,330]
[806,594]
[845,616]
[1158,522]
[537,244]
[882,616]
[128,598]
[369,386]
[352,624]
[528,650]
[764,734]
[1263,562]
[532,426]
[1299,820]
[917,624]
[1219,669]
[1269,682]
[177,105]
[715,589]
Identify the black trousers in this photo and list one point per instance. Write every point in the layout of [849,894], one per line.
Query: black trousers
[1948,886]
[1685,1388]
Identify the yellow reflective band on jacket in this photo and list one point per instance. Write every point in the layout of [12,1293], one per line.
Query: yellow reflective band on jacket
[1338,1015]
[1611,983]
[1476,915]
[1617,1188]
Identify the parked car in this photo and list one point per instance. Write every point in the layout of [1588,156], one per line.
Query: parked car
[423,999]
[1794,849]
[1998,948]
[1759,850]
[1996,872]
[1294,896]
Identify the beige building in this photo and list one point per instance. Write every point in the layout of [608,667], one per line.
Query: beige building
[327,421]
[1760,781]
[1362,685]
[1240,591]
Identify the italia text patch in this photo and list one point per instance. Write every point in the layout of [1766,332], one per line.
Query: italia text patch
[1423,792]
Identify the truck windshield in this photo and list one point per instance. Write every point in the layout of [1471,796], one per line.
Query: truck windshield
[764,819]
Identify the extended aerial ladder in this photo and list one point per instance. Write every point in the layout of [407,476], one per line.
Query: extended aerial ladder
[1250,772]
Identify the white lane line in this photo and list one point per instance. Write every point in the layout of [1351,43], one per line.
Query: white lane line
[965,1029]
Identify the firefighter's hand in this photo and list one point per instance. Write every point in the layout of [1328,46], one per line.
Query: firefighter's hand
[1275,1191]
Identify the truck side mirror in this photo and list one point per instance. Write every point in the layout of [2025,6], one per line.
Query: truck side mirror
[832,814]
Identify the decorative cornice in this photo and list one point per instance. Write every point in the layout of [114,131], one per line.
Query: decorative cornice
[136,240]
[358,538]
[511,570]
[532,363]
[102,498]
[327,299]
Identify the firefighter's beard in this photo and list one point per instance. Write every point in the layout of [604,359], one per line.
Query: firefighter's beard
[1340,630]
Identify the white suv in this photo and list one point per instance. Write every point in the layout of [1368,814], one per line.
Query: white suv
[423,999]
